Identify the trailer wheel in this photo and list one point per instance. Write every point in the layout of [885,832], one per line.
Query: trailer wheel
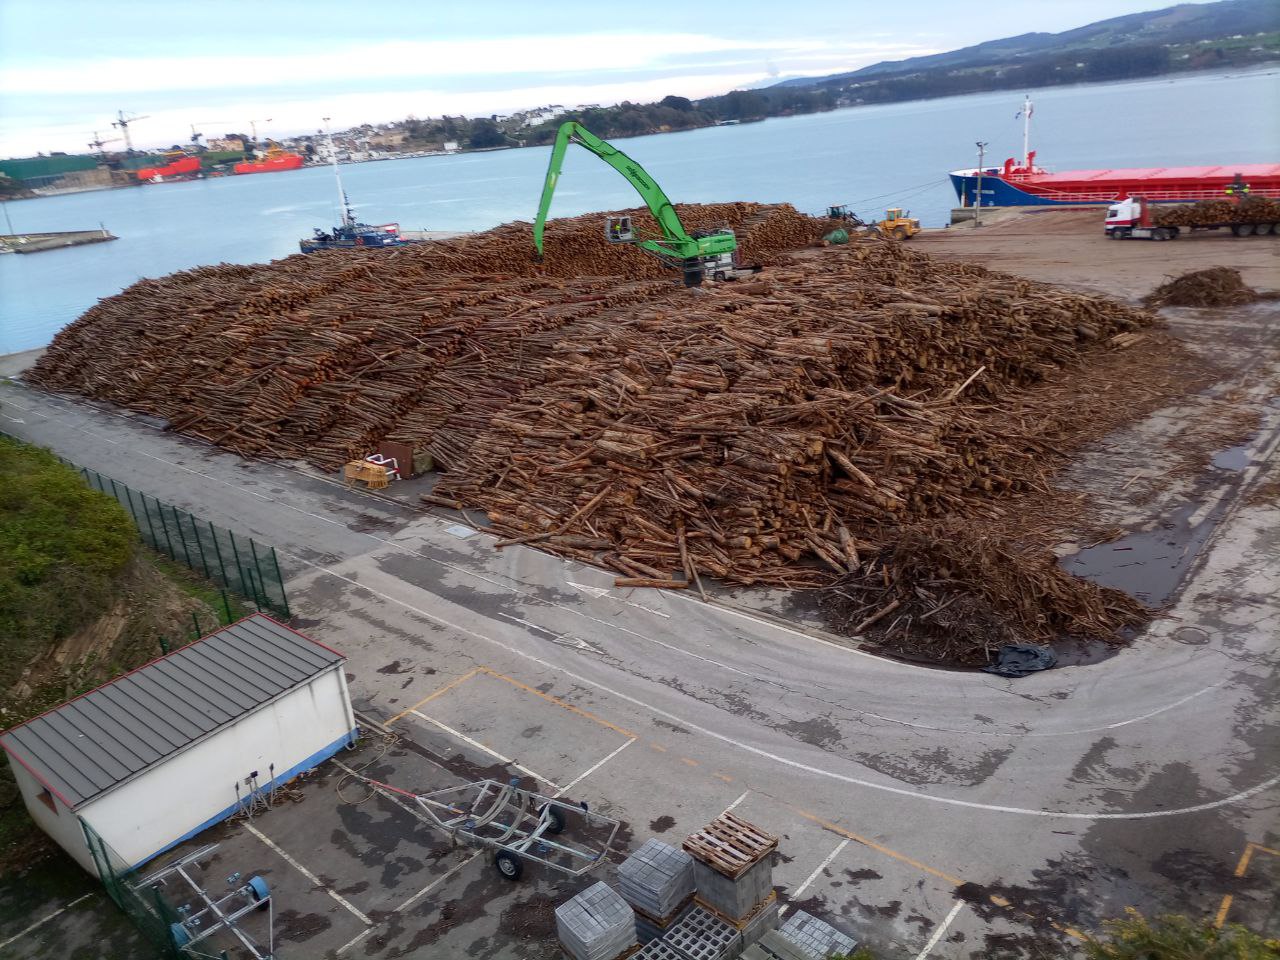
[508,864]
[1275,229]
[1263,229]
[557,820]
[1242,229]
[259,891]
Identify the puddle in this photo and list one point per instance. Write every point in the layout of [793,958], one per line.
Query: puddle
[1148,564]
[1233,458]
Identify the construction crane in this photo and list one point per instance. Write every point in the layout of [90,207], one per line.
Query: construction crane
[122,123]
[97,143]
[696,255]
[253,130]
[195,135]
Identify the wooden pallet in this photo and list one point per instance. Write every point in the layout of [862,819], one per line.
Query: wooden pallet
[730,845]
[739,924]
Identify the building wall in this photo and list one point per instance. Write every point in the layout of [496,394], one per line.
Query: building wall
[197,788]
[63,826]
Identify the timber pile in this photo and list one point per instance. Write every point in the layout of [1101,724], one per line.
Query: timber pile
[778,432]
[782,431]
[1206,213]
[1214,287]
[947,592]
[320,356]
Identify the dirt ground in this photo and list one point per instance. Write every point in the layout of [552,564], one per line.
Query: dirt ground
[1069,247]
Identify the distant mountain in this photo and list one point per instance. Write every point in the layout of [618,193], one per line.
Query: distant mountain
[1186,23]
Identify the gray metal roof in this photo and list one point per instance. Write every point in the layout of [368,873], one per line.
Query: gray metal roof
[89,745]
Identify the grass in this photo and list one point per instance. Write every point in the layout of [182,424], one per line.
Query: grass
[62,548]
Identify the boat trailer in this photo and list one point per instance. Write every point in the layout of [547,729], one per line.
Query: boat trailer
[518,825]
[207,915]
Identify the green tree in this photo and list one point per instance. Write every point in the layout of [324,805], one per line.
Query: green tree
[485,133]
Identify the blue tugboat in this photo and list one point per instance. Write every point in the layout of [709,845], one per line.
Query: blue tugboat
[349,233]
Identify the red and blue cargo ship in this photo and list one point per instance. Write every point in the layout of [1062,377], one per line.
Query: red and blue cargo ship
[1024,184]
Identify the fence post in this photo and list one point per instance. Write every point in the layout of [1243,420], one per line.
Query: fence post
[240,570]
[150,526]
[196,620]
[204,561]
[226,605]
[182,537]
[163,526]
[222,567]
[284,598]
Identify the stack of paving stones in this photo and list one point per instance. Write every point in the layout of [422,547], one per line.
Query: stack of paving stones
[733,873]
[657,880]
[815,938]
[701,935]
[597,924]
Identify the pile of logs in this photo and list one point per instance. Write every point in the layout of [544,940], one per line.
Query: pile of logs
[1208,213]
[777,431]
[1211,287]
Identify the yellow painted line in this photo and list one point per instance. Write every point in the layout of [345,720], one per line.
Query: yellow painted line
[1221,918]
[657,746]
[559,703]
[1241,867]
[887,851]
[932,871]
[431,696]
[688,762]
[723,776]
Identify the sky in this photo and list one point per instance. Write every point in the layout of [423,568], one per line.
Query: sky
[67,66]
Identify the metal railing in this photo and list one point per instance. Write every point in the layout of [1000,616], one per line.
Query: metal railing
[241,564]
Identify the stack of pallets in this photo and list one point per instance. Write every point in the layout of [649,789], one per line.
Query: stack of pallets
[733,871]
[657,880]
[597,924]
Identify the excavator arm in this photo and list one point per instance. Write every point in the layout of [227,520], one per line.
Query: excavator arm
[676,243]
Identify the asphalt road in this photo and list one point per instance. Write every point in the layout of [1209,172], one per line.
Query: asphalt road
[939,813]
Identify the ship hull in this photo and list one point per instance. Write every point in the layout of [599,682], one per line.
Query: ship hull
[273,165]
[1102,187]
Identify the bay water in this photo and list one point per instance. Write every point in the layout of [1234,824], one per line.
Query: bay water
[869,157]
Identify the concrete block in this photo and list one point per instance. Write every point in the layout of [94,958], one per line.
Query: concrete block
[737,897]
[656,878]
[766,919]
[597,924]
[704,936]
[659,950]
[816,938]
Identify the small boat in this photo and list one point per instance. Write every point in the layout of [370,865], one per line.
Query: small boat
[350,233]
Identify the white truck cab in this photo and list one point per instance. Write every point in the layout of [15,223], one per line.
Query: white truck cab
[1131,218]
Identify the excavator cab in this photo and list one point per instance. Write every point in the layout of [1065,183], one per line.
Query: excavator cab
[619,230]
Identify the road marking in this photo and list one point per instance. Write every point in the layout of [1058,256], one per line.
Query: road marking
[434,883]
[309,875]
[1241,867]
[934,872]
[688,761]
[776,758]
[816,873]
[724,777]
[78,406]
[57,913]
[937,934]
[431,696]
[489,750]
[596,592]
[738,801]
[558,702]
[578,779]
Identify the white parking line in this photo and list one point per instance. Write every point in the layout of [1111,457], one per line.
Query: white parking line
[43,920]
[937,934]
[582,776]
[738,801]
[435,883]
[489,750]
[308,874]
[814,876]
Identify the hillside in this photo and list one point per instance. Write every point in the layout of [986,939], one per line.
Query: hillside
[1176,26]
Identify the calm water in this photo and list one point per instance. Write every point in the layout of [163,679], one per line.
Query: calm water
[901,151]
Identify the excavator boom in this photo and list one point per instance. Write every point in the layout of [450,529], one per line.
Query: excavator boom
[676,243]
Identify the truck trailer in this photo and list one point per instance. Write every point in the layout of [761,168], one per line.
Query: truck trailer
[1137,218]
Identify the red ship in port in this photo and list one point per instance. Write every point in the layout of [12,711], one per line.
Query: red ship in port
[1024,184]
[275,161]
[182,168]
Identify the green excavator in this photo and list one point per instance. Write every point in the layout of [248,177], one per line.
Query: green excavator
[697,255]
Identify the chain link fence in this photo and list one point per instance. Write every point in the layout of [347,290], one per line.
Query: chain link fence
[240,564]
[153,915]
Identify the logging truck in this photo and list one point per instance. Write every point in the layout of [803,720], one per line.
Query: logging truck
[1136,218]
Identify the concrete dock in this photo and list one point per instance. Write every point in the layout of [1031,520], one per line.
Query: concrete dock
[39,242]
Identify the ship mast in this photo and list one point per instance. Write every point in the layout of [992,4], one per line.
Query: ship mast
[1027,109]
[344,205]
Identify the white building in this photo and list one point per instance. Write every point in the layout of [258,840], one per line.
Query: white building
[158,755]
